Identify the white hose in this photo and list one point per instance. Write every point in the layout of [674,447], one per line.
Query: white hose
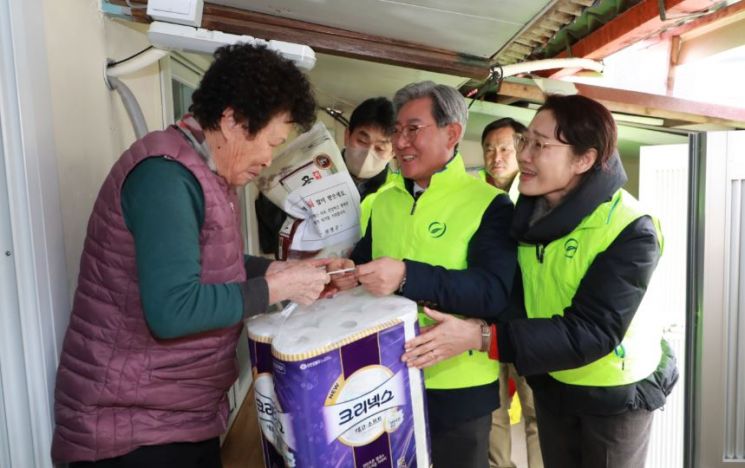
[135,64]
[129,100]
[549,64]
[131,106]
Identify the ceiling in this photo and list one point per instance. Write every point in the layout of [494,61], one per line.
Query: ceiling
[474,27]
[342,83]
[370,48]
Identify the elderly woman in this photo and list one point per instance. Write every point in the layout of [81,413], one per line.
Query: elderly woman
[597,364]
[164,286]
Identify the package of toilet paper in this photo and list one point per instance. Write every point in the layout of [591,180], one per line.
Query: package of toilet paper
[344,398]
[261,330]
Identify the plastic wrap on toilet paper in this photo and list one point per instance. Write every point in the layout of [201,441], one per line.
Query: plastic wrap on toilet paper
[309,181]
[261,329]
[344,397]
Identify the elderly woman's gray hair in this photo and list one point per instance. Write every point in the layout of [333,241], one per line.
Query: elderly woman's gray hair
[448,105]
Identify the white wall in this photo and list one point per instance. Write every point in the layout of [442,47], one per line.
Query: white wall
[91,128]
[473,155]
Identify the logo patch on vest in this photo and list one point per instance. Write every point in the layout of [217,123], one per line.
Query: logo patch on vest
[437,229]
[570,247]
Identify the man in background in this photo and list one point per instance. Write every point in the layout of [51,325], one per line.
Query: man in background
[500,160]
[367,151]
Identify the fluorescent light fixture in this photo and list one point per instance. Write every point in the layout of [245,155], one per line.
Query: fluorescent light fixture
[638,119]
[549,86]
[622,118]
[188,39]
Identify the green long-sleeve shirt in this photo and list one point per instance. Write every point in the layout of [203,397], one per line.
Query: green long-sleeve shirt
[163,207]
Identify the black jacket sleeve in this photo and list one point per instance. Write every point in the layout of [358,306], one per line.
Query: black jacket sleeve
[599,315]
[256,266]
[362,252]
[270,219]
[483,288]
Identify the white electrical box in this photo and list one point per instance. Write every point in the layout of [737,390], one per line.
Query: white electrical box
[188,12]
[176,37]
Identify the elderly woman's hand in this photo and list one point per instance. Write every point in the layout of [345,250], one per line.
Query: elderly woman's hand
[449,337]
[342,281]
[301,281]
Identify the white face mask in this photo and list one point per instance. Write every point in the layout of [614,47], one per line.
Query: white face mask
[364,163]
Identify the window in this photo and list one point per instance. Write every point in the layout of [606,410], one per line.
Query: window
[180,76]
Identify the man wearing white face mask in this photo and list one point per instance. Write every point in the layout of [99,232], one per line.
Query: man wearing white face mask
[367,144]
[367,151]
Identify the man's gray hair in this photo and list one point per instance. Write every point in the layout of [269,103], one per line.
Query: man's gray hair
[448,105]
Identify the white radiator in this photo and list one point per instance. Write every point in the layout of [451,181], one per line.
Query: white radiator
[663,185]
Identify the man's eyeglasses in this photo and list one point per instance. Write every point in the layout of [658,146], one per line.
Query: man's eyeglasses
[533,145]
[408,132]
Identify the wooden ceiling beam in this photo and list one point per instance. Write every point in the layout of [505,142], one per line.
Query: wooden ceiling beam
[727,13]
[573,10]
[643,104]
[634,24]
[335,41]
[520,48]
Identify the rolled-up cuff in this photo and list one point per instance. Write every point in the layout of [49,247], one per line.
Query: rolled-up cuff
[507,351]
[256,266]
[494,343]
[255,296]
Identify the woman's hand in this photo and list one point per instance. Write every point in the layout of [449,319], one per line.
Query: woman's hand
[449,337]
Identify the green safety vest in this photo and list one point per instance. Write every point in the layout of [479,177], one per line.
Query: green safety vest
[550,285]
[436,230]
[481,175]
[514,193]
[367,202]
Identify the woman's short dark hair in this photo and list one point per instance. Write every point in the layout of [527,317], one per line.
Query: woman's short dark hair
[584,124]
[374,112]
[258,84]
[516,126]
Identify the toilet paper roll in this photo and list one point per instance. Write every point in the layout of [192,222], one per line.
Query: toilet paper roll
[345,398]
[261,330]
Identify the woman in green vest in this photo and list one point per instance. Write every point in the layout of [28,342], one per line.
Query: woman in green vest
[597,363]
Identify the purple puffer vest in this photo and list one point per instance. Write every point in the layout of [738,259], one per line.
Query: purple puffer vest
[118,387]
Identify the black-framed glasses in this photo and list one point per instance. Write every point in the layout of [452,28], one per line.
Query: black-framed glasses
[408,132]
[533,145]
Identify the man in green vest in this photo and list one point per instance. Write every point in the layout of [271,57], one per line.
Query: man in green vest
[440,237]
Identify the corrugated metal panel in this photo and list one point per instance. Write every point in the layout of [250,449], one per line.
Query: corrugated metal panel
[734,365]
[4,446]
[541,29]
